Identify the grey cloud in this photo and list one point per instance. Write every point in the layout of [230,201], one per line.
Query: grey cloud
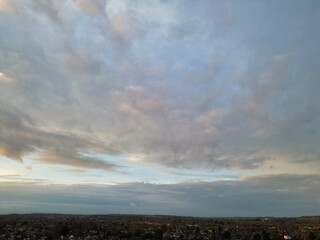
[10,176]
[82,63]
[16,178]
[89,7]
[265,195]
[50,8]
[9,7]
[73,159]
[218,85]
[20,136]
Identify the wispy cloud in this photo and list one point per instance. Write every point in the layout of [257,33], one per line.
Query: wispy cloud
[16,179]
[20,137]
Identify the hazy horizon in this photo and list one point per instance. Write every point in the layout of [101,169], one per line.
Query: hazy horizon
[207,108]
[151,215]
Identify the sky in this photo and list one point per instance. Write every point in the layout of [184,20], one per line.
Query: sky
[193,108]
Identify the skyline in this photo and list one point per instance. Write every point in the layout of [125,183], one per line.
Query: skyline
[160,107]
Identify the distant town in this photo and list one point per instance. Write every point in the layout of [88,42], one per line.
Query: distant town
[112,227]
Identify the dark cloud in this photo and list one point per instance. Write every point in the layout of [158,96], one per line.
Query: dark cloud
[265,195]
[20,137]
[66,157]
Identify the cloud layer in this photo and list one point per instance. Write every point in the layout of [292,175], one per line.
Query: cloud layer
[265,195]
[221,85]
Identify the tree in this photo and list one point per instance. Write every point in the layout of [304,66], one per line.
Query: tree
[226,234]
[158,233]
[64,230]
[311,236]
[265,235]
[256,236]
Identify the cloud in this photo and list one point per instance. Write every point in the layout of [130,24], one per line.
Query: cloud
[19,137]
[16,179]
[29,168]
[4,78]
[265,195]
[8,6]
[137,100]
[81,62]
[214,86]
[73,159]
[50,9]
[88,6]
